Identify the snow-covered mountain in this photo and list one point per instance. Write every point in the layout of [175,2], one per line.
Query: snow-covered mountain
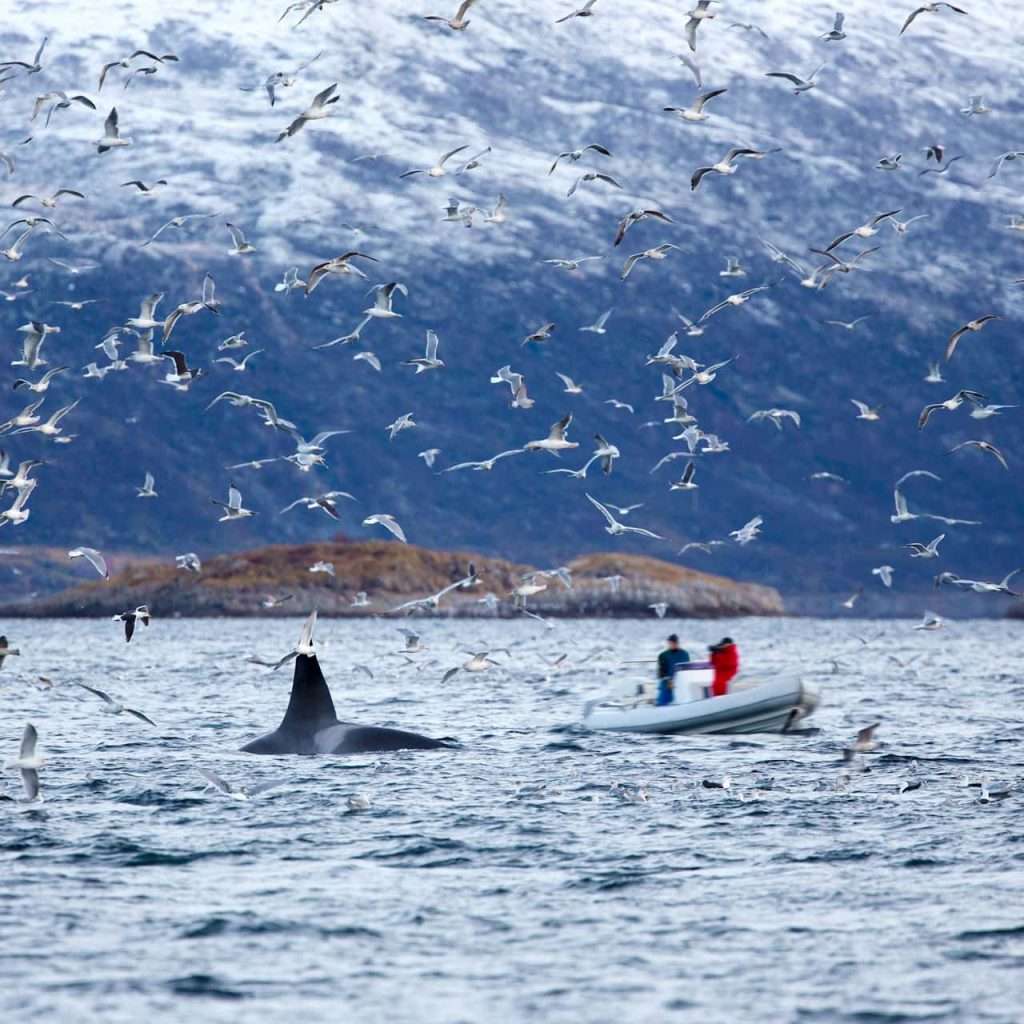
[529,89]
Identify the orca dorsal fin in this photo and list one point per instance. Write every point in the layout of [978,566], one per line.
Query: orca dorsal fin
[310,707]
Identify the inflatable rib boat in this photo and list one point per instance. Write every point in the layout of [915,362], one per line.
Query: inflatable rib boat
[776,706]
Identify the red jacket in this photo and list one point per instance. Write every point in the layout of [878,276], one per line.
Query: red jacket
[726,663]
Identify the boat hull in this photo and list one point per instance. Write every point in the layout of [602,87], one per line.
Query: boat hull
[770,707]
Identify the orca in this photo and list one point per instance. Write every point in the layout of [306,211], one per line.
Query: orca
[311,725]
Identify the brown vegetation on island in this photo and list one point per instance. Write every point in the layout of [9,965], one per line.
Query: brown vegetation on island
[390,574]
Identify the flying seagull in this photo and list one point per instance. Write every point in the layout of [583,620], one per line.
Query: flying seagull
[932,8]
[457,24]
[93,557]
[316,111]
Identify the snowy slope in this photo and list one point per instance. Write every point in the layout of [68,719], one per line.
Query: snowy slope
[410,91]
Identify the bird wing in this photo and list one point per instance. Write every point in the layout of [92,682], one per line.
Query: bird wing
[140,716]
[608,516]
[954,340]
[99,693]
[910,19]
[795,79]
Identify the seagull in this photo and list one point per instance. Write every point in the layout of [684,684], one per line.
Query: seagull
[58,101]
[290,281]
[14,252]
[305,645]
[748,532]
[574,155]
[316,111]
[486,465]
[975,106]
[142,187]
[571,387]
[429,360]
[239,247]
[190,561]
[733,268]
[111,134]
[35,334]
[930,621]
[932,8]
[598,327]
[497,215]
[125,63]
[17,514]
[243,792]
[849,325]
[634,217]
[146,319]
[865,412]
[28,762]
[749,27]
[7,652]
[697,15]
[617,529]
[542,333]
[571,264]
[556,440]
[726,165]
[659,608]
[457,24]
[388,522]
[884,573]
[327,568]
[852,599]
[836,33]
[686,482]
[984,412]
[929,550]
[586,11]
[950,405]
[339,265]
[93,557]
[734,300]
[868,230]
[607,453]
[141,614]
[369,357]
[983,446]
[893,162]
[49,428]
[233,509]
[901,226]
[1004,158]
[47,202]
[404,422]
[383,297]
[326,502]
[43,384]
[775,416]
[437,171]
[238,365]
[273,600]
[694,113]
[973,326]
[705,376]
[429,456]
[659,252]
[799,84]
[32,69]
[146,490]
[177,222]
[115,707]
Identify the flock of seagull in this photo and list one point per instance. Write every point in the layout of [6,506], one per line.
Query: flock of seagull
[148,334]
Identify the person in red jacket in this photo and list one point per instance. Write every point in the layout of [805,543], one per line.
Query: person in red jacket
[725,660]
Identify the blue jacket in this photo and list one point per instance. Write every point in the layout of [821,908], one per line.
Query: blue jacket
[669,660]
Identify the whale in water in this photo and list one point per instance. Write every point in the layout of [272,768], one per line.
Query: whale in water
[311,725]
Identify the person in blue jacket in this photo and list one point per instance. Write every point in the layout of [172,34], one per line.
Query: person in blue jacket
[668,661]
